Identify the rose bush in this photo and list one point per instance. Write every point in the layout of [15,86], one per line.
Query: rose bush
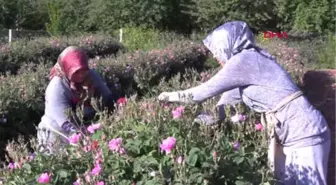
[142,143]
[22,95]
[125,148]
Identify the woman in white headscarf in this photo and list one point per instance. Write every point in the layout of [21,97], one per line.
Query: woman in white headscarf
[299,135]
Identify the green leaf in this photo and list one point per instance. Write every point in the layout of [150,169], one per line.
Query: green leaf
[207,165]
[97,135]
[26,167]
[200,179]
[239,160]
[192,159]
[62,173]
[238,182]
[197,177]
[151,182]
[194,150]
[137,168]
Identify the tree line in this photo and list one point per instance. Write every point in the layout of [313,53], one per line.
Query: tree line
[62,17]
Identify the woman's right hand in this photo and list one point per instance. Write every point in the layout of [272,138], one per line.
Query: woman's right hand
[169,97]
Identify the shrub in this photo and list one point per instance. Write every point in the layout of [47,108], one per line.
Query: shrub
[135,38]
[126,149]
[327,55]
[23,94]
[144,38]
[148,68]
[13,55]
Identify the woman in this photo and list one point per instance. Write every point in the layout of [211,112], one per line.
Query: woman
[72,83]
[251,75]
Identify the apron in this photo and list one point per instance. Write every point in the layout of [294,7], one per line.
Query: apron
[268,120]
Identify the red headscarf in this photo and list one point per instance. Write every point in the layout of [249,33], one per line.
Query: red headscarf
[69,61]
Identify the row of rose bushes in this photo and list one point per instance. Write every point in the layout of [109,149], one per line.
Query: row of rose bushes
[148,143]
[131,73]
[22,95]
[44,49]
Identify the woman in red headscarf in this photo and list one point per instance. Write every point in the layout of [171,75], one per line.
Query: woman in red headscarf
[72,83]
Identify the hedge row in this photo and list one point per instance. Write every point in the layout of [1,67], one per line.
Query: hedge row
[22,95]
[14,55]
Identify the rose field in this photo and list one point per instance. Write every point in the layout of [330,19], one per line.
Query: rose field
[147,142]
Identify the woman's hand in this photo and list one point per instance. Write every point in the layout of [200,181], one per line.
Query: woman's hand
[169,97]
[178,96]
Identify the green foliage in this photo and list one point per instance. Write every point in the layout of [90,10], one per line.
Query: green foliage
[211,13]
[202,155]
[309,16]
[24,93]
[74,16]
[183,16]
[327,54]
[135,38]
[160,14]
[55,27]
[143,123]
[23,14]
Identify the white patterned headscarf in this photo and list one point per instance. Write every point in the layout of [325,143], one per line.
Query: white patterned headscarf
[229,39]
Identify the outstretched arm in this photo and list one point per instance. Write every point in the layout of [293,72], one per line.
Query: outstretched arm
[235,74]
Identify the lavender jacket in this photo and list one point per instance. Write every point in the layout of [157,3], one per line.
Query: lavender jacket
[58,100]
[251,75]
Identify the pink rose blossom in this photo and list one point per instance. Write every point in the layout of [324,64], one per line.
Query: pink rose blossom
[179,160]
[168,144]
[100,183]
[88,178]
[259,127]
[236,145]
[92,128]
[44,178]
[11,166]
[96,170]
[77,182]
[87,148]
[177,113]
[116,145]
[74,138]
[238,117]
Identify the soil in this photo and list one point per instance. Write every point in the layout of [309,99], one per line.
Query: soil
[319,87]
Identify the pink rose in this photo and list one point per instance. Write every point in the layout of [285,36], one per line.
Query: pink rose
[168,144]
[44,178]
[259,127]
[73,139]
